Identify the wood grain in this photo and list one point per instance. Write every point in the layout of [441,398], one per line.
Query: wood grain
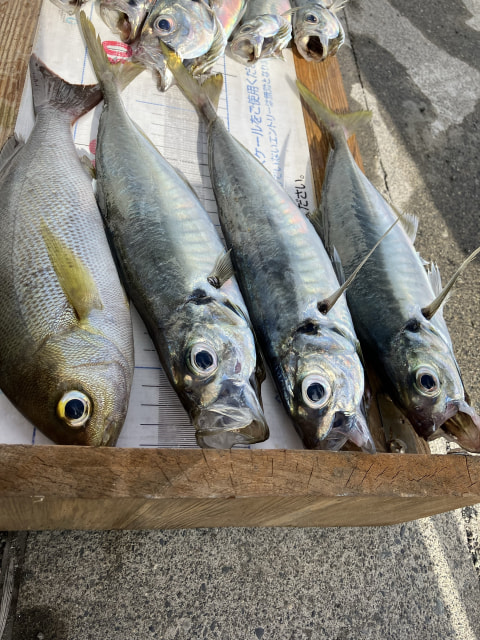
[18,22]
[43,487]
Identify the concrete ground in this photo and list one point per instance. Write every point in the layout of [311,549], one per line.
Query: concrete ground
[416,66]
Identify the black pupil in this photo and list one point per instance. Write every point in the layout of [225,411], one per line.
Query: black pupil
[427,381]
[310,18]
[164,24]
[315,392]
[74,409]
[203,360]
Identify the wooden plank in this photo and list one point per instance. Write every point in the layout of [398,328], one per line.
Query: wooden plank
[18,23]
[46,487]
[54,487]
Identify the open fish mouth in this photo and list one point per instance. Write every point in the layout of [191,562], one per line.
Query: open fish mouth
[247,48]
[312,48]
[461,425]
[345,428]
[236,419]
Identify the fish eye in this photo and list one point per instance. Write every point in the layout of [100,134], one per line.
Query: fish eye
[427,382]
[312,18]
[203,359]
[164,24]
[74,408]
[315,391]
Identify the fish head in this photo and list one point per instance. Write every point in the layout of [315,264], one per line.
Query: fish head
[427,386]
[125,17]
[317,32]
[262,37]
[186,26]
[323,383]
[217,375]
[78,389]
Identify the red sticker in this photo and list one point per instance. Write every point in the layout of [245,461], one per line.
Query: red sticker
[92,147]
[117,51]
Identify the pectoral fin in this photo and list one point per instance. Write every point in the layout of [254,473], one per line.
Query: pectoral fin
[222,271]
[74,277]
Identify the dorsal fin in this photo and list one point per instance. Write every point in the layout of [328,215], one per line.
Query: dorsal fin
[409,222]
[430,310]
[433,273]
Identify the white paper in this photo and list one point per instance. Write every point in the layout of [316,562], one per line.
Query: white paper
[261,107]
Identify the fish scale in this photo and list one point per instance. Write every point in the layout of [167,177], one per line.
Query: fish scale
[167,248]
[395,303]
[312,357]
[51,341]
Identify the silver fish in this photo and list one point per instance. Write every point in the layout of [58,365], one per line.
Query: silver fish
[166,245]
[285,275]
[265,30]
[125,17]
[317,31]
[188,27]
[66,346]
[394,301]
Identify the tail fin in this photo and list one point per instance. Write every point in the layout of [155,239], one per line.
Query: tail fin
[204,97]
[49,90]
[339,125]
[122,73]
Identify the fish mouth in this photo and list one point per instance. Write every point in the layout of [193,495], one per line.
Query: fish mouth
[461,424]
[347,427]
[247,49]
[313,47]
[235,419]
[344,427]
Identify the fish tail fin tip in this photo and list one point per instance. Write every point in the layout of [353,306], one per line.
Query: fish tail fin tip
[50,90]
[346,123]
[204,97]
[123,73]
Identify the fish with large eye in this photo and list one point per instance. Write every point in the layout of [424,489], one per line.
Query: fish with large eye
[395,301]
[188,27]
[317,31]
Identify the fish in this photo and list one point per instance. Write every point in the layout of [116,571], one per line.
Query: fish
[125,17]
[396,303]
[167,248]
[66,344]
[188,27]
[285,276]
[317,31]
[264,31]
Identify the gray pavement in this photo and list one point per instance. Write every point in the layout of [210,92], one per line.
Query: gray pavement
[416,66]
